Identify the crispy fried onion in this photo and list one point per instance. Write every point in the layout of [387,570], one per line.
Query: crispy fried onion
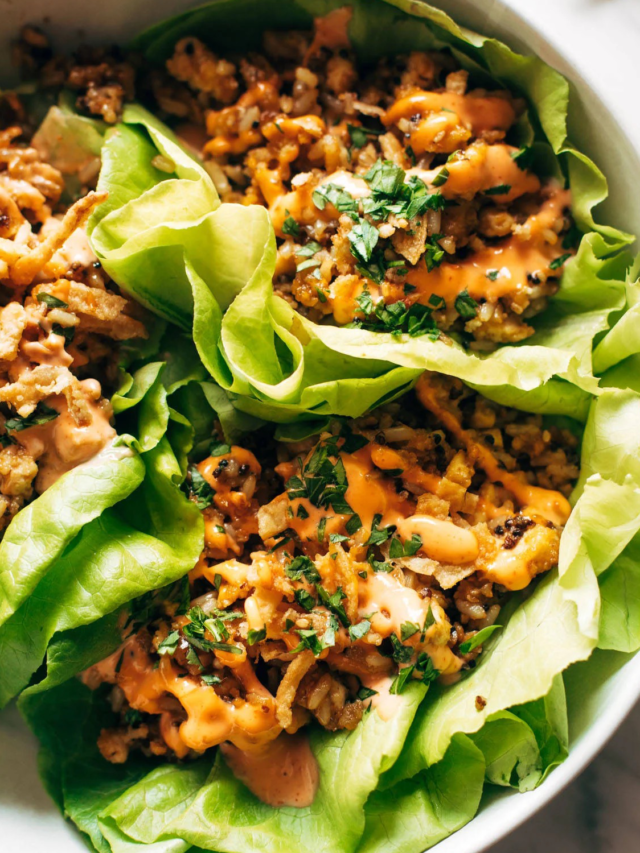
[22,269]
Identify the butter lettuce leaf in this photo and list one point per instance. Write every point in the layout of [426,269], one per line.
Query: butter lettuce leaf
[275,364]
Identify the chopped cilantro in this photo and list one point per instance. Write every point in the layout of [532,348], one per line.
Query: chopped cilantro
[436,302]
[219,448]
[465,305]
[378,535]
[425,670]
[170,644]
[500,189]
[193,659]
[408,549]
[308,250]
[478,639]
[302,512]
[338,537]
[434,254]
[302,568]
[309,640]
[401,653]
[343,201]
[441,178]
[51,301]
[200,489]
[290,226]
[523,157]
[66,332]
[353,525]
[366,693]
[217,581]
[357,632]
[42,414]
[400,681]
[408,629]
[385,177]
[334,603]
[429,620]
[211,679]
[363,238]
[322,296]
[558,262]
[256,635]
[492,275]
[322,526]
[305,265]
[305,599]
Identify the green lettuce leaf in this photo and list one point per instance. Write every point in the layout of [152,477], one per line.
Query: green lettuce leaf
[418,813]
[39,534]
[273,363]
[623,340]
[148,541]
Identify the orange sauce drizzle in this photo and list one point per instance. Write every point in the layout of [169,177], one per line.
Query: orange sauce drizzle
[548,503]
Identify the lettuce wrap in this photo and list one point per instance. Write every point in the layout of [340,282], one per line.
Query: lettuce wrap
[398,785]
[274,363]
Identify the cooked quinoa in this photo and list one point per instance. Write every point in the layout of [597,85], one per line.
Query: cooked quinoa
[397,200]
[337,569]
[61,319]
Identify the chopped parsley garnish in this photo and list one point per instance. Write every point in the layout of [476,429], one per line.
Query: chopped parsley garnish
[357,632]
[434,254]
[396,318]
[282,539]
[363,238]
[219,448]
[400,681]
[193,659]
[500,189]
[302,568]
[558,262]
[290,226]
[305,599]
[309,638]
[308,250]
[465,305]
[390,194]
[359,135]
[51,301]
[42,414]
[492,275]
[408,629]
[67,332]
[379,565]
[401,653]
[423,670]
[379,535]
[322,296]
[338,537]
[194,631]
[523,157]
[353,525]
[429,620]
[478,639]
[170,644]
[256,635]
[441,178]
[305,265]
[322,480]
[322,527]
[301,512]
[408,549]
[211,679]
[334,603]
[343,201]
[200,489]
[366,693]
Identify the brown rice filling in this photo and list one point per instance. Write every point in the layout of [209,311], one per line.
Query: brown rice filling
[340,569]
[397,200]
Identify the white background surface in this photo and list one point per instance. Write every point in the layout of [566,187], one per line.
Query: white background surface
[600,812]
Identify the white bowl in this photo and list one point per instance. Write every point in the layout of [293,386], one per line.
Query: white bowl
[28,821]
